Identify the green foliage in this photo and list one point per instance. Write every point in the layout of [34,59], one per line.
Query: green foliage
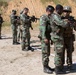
[55,1]
[3,3]
[74,1]
[6,23]
[44,1]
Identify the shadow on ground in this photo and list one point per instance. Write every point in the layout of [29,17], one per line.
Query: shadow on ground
[73,70]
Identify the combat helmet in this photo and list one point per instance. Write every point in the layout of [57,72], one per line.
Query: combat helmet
[50,8]
[59,7]
[67,9]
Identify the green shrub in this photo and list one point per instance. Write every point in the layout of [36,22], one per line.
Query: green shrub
[74,1]
[44,1]
[6,23]
[3,3]
[55,1]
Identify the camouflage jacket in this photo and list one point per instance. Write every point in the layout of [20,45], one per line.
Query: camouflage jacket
[13,19]
[25,20]
[57,25]
[44,29]
[69,30]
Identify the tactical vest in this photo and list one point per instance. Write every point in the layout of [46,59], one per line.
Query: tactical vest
[68,31]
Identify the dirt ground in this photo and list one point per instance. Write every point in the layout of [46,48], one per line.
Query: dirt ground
[14,61]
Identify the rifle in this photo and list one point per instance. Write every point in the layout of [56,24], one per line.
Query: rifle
[18,19]
[71,19]
[34,19]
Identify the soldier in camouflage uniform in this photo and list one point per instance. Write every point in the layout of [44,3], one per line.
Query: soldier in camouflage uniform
[13,18]
[19,30]
[45,38]
[19,36]
[1,21]
[68,37]
[26,20]
[58,25]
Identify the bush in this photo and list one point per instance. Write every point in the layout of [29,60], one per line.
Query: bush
[3,3]
[44,1]
[74,1]
[56,1]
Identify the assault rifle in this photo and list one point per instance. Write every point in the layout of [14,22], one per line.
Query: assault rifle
[17,20]
[71,19]
[34,19]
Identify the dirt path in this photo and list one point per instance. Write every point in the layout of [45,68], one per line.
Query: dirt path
[14,61]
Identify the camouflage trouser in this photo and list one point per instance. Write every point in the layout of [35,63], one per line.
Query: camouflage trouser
[68,45]
[19,34]
[25,38]
[45,53]
[14,33]
[58,52]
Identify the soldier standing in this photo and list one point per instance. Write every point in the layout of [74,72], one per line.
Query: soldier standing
[45,38]
[13,18]
[19,30]
[69,37]
[58,25]
[1,21]
[26,20]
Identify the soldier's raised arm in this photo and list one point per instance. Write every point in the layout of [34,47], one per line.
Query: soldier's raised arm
[24,19]
[58,21]
[24,16]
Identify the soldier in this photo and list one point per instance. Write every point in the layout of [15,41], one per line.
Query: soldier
[58,25]
[19,34]
[26,20]
[68,37]
[13,18]
[45,38]
[1,21]
[19,30]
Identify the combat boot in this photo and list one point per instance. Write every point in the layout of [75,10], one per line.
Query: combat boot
[70,67]
[30,48]
[47,70]
[59,71]
[52,69]
[17,43]
[25,49]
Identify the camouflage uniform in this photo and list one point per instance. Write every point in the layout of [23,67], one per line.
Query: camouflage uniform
[25,31]
[57,26]
[14,27]
[1,21]
[19,33]
[45,34]
[69,38]
[19,30]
